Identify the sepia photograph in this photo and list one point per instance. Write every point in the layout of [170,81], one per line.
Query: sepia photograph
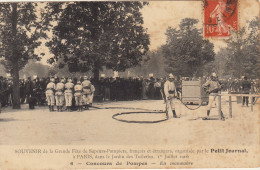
[129,84]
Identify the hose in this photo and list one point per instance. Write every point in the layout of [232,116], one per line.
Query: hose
[115,116]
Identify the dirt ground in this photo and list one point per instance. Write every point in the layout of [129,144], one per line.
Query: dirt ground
[96,126]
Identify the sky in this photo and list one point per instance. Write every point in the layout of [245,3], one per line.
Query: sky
[159,15]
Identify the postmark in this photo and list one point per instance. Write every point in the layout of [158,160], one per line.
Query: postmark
[220,16]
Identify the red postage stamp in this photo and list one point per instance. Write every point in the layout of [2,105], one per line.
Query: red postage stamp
[219,17]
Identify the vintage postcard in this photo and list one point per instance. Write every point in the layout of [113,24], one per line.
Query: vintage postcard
[129,84]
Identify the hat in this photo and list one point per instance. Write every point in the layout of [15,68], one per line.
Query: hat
[171,76]
[102,75]
[35,77]
[214,74]
[52,79]
[78,82]
[8,75]
[116,74]
[85,77]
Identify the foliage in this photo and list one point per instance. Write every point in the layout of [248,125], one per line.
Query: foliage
[33,68]
[18,43]
[90,35]
[243,51]
[20,33]
[186,51]
[220,63]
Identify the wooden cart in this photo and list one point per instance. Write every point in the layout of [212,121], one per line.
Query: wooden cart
[193,93]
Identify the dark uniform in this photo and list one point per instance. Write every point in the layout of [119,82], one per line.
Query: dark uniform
[245,87]
[28,89]
[1,92]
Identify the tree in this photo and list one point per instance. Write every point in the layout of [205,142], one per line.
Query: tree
[155,63]
[243,51]
[220,63]
[253,48]
[235,44]
[20,32]
[186,51]
[2,70]
[34,68]
[90,35]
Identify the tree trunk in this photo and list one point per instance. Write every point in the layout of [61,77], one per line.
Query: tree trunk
[94,34]
[16,87]
[96,74]
[15,60]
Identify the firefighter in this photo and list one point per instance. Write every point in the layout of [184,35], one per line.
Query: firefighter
[87,92]
[213,88]
[170,94]
[50,88]
[78,95]
[69,93]
[59,95]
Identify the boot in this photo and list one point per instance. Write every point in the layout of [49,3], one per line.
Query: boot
[208,112]
[222,116]
[49,108]
[52,108]
[60,108]
[174,114]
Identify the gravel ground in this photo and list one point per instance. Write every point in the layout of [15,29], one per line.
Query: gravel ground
[96,126]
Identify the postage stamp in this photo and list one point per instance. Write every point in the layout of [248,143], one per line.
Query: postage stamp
[219,17]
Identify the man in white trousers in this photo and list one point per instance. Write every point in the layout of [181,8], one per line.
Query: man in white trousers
[213,88]
[171,95]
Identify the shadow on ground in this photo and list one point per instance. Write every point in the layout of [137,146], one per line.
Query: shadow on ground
[7,120]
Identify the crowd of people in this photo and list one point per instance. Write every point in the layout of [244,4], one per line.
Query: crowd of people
[110,88]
